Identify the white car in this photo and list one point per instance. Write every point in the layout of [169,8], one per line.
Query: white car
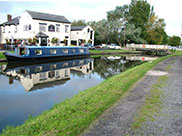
[114,46]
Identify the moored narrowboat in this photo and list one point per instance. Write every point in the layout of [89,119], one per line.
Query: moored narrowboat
[46,52]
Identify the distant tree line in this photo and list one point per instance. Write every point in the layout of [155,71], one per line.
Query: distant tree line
[133,23]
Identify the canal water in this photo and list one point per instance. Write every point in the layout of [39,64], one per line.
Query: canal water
[30,89]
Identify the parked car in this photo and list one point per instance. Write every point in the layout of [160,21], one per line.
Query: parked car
[98,46]
[114,46]
[90,46]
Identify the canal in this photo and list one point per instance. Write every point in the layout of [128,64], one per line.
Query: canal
[29,89]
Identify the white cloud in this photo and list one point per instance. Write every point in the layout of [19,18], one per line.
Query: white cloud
[170,11]
[88,10]
[91,10]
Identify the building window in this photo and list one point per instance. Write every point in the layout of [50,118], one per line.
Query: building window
[51,74]
[16,29]
[53,51]
[9,29]
[57,74]
[88,30]
[77,33]
[65,50]
[42,27]
[51,28]
[38,52]
[57,28]
[43,76]
[66,73]
[66,28]
[27,27]
[3,29]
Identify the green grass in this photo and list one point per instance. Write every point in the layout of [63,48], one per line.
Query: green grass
[2,56]
[106,51]
[74,115]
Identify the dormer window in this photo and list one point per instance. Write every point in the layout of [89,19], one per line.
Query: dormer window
[51,28]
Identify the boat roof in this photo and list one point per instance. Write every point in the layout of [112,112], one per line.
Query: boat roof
[49,47]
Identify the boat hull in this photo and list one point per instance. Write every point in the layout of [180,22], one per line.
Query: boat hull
[12,57]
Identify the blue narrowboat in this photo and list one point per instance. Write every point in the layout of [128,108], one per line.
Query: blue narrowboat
[46,52]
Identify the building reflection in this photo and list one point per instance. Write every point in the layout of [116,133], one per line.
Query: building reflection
[33,77]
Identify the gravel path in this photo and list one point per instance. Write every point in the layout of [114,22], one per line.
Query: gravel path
[117,120]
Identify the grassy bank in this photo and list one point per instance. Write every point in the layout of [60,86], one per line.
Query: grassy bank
[74,115]
[108,51]
[2,56]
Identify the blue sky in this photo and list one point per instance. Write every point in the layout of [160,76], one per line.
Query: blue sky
[92,10]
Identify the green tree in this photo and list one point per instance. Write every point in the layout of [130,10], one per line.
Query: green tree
[79,23]
[122,31]
[174,41]
[140,12]
[155,30]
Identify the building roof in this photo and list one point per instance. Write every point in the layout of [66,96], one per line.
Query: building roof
[48,17]
[14,21]
[40,34]
[76,28]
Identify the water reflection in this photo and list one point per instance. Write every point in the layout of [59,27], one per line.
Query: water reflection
[33,77]
[53,82]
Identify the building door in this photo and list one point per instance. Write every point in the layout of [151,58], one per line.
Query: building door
[43,41]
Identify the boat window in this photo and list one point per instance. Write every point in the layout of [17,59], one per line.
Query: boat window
[81,62]
[53,51]
[74,50]
[53,66]
[74,64]
[22,51]
[81,50]
[65,65]
[65,50]
[38,69]
[38,52]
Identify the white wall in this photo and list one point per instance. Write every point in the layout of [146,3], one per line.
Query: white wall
[82,34]
[26,19]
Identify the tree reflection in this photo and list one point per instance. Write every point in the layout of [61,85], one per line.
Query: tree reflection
[107,68]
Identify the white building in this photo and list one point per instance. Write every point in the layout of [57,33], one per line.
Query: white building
[82,34]
[34,24]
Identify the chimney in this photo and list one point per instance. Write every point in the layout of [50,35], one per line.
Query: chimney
[9,17]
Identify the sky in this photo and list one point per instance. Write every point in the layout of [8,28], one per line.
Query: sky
[93,10]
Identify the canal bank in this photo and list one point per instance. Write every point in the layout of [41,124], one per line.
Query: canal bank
[74,115]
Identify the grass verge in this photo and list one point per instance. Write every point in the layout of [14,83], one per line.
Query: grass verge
[74,115]
[2,56]
[108,51]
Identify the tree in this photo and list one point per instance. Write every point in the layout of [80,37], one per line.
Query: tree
[122,31]
[155,30]
[140,12]
[174,41]
[79,23]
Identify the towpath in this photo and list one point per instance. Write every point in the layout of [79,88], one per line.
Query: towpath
[167,121]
